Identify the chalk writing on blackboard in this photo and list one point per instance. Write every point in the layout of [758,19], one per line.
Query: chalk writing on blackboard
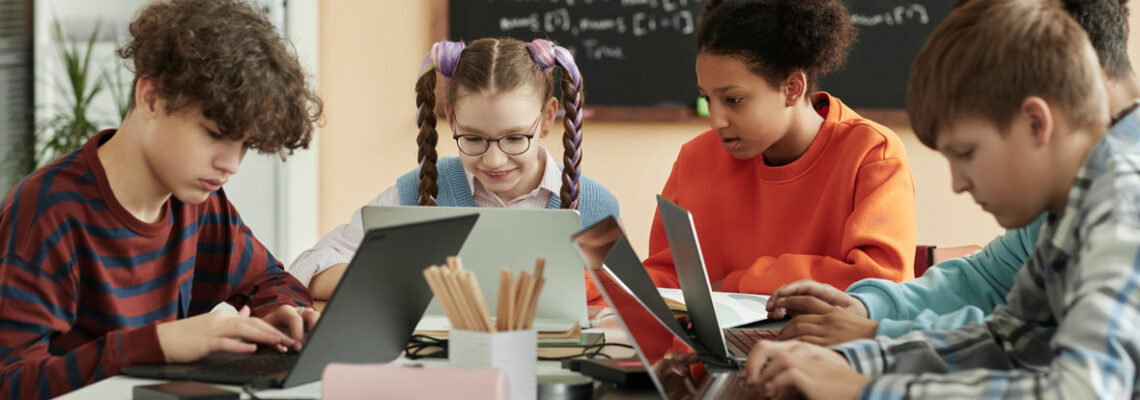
[899,15]
[561,20]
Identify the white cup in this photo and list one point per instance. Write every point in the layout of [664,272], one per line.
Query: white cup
[513,352]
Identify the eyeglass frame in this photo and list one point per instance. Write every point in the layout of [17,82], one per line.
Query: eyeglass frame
[498,142]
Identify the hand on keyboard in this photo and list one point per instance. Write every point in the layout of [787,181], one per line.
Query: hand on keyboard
[294,321]
[190,339]
[809,297]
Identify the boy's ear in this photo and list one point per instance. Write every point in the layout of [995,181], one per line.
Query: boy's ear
[549,116]
[794,86]
[1041,119]
[146,97]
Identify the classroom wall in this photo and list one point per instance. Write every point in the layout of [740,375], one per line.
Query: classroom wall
[370,56]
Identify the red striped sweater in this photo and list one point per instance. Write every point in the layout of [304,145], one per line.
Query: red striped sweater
[83,283]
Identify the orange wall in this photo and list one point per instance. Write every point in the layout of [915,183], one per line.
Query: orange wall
[370,55]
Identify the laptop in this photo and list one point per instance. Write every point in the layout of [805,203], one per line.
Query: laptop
[369,318]
[514,239]
[650,328]
[695,287]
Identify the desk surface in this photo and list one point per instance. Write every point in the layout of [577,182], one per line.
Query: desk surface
[120,387]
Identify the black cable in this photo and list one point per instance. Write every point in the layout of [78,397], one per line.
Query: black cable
[419,344]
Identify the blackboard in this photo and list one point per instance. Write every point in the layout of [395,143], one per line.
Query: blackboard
[890,35]
[638,56]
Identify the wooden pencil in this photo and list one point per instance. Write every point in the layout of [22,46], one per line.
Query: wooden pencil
[439,287]
[525,289]
[465,313]
[501,306]
[475,294]
[533,307]
[511,295]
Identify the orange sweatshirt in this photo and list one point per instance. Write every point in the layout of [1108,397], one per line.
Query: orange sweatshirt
[842,212]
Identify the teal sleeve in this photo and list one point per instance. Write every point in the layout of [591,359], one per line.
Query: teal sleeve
[938,298]
[928,320]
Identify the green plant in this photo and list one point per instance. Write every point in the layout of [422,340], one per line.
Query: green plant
[70,124]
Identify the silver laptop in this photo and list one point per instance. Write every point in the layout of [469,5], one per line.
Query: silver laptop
[647,322]
[695,287]
[511,238]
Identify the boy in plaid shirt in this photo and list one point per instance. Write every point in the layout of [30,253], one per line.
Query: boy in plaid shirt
[1010,92]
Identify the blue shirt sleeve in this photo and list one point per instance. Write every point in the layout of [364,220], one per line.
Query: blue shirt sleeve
[953,293]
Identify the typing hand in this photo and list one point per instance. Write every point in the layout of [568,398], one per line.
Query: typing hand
[786,369]
[295,321]
[778,306]
[190,339]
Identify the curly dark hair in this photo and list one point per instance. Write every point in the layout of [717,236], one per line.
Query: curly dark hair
[778,37]
[1106,22]
[226,57]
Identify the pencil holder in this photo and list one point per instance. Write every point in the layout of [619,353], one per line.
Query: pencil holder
[513,352]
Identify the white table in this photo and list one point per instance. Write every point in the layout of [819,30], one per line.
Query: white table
[120,387]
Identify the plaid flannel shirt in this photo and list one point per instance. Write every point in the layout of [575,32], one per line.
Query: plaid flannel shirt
[1071,328]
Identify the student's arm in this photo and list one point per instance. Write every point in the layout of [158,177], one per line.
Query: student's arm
[255,277]
[953,293]
[38,301]
[1092,353]
[878,239]
[336,250]
[31,370]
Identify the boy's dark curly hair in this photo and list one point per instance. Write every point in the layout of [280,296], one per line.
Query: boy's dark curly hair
[778,37]
[226,57]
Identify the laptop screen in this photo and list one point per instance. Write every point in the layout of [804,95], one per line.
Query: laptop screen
[690,266]
[603,246]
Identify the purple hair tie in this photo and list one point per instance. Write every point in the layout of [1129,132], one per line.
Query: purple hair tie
[548,55]
[443,57]
[542,51]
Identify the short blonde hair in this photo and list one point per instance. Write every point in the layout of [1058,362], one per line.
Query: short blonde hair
[988,56]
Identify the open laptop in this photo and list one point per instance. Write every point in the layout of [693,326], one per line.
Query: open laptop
[695,287]
[369,318]
[646,320]
[510,238]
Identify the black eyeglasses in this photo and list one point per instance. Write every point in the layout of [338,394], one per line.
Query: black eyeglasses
[474,145]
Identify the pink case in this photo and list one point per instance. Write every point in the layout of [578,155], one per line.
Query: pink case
[385,381]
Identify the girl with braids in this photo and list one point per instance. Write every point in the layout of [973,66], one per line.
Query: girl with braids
[788,184]
[499,101]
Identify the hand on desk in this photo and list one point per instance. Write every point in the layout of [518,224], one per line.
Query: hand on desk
[783,370]
[190,339]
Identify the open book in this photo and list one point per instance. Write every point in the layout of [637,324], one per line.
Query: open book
[732,309]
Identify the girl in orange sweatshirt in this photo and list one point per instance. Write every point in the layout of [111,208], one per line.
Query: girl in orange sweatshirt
[788,184]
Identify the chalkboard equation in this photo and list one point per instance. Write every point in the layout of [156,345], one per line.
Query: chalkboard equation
[639,53]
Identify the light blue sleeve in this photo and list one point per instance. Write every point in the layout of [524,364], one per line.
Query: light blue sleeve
[952,293]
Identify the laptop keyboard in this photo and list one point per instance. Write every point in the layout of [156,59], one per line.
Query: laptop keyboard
[259,364]
[740,341]
[734,387]
[238,370]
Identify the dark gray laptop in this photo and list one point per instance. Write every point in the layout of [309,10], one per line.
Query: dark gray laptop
[648,323]
[369,318]
[695,287]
